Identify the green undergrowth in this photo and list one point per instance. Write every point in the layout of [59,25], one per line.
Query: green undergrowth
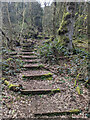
[10,65]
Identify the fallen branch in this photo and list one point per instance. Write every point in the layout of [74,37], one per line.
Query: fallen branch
[4,34]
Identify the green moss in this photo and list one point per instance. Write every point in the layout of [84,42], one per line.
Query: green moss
[50,78]
[75,83]
[3,78]
[65,38]
[64,23]
[6,82]
[62,30]
[74,111]
[23,76]
[9,59]
[53,90]
[41,65]
[66,15]
[14,88]
[11,85]
[48,74]
[78,90]
[35,49]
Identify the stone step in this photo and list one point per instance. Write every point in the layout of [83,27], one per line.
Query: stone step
[40,91]
[30,57]
[32,61]
[33,66]
[35,73]
[12,53]
[26,45]
[27,53]
[29,50]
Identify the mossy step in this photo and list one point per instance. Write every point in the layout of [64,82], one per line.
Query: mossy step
[26,45]
[26,50]
[40,91]
[29,57]
[35,73]
[27,53]
[32,61]
[57,113]
[16,56]
[33,66]
[13,53]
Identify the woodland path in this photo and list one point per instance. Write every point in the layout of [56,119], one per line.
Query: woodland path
[38,81]
[44,93]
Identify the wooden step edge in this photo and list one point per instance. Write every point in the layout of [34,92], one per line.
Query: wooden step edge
[13,53]
[57,113]
[41,91]
[29,57]
[26,50]
[37,75]
[33,66]
[26,53]
[32,61]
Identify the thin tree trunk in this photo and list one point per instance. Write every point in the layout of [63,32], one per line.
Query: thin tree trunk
[54,20]
[24,9]
[10,27]
[66,29]
[71,10]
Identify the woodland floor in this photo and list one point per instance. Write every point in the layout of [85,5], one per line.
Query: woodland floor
[17,105]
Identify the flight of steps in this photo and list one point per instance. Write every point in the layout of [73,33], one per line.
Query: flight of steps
[37,78]
[34,70]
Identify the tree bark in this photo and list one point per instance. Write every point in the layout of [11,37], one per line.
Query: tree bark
[71,10]
[10,27]
[66,29]
[54,20]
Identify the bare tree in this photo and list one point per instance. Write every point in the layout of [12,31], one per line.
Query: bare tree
[10,28]
[54,20]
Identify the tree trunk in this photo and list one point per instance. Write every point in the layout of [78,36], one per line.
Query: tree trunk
[71,10]
[10,28]
[23,17]
[54,20]
[67,26]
